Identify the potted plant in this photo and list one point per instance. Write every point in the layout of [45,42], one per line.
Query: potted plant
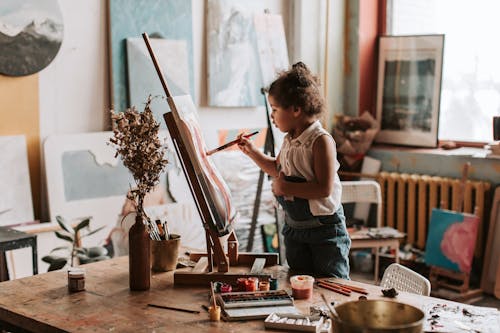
[135,137]
[73,235]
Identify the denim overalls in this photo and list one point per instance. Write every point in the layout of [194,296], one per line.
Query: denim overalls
[315,244]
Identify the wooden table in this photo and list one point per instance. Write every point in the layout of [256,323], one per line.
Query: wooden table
[42,303]
[361,239]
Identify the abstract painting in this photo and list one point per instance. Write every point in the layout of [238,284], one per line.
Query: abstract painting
[15,199]
[31,33]
[169,19]
[173,57]
[451,240]
[233,74]
[271,43]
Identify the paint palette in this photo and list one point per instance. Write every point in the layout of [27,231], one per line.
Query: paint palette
[254,299]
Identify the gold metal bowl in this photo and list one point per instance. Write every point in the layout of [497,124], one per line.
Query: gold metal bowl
[373,316]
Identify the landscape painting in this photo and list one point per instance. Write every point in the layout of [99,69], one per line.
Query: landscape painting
[31,34]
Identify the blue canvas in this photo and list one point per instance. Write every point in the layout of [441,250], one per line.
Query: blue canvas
[170,19]
[451,240]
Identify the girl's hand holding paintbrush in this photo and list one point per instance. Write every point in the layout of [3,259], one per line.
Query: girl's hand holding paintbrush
[241,137]
[246,145]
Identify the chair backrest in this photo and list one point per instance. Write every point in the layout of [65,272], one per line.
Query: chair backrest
[402,278]
[367,191]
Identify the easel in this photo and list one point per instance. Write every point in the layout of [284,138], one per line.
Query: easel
[440,277]
[268,148]
[203,272]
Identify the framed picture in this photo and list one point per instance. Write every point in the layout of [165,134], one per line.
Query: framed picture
[409,89]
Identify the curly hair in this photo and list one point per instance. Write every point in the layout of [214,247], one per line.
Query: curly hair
[298,87]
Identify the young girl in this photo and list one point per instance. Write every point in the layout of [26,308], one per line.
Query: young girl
[306,183]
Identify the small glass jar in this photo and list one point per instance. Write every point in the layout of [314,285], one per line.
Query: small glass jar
[76,279]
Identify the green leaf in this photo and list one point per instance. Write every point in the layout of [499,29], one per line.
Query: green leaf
[97,251]
[58,264]
[94,231]
[81,250]
[83,224]
[68,238]
[50,259]
[65,226]
[83,259]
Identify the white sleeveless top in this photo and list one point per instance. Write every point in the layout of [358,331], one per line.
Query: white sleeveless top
[296,159]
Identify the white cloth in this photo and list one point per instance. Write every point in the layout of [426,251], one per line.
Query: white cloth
[296,159]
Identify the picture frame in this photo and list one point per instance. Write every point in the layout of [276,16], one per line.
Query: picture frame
[409,89]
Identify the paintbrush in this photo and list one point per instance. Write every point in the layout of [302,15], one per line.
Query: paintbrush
[172,308]
[213,294]
[229,144]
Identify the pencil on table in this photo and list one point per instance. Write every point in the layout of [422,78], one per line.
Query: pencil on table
[229,144]
[347,286]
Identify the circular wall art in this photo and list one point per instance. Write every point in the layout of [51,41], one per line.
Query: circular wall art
[31,33]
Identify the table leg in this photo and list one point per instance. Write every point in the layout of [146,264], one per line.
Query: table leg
[396,253]
[34,256]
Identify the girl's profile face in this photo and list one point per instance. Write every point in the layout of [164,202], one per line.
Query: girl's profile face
[283,118]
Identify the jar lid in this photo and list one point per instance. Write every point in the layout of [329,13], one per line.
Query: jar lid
[76,272]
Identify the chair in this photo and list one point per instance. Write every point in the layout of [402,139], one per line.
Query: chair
[404,279]
[368,191]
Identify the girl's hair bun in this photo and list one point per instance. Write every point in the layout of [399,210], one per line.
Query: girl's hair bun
[301,74]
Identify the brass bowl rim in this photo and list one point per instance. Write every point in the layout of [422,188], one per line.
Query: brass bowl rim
[392,327]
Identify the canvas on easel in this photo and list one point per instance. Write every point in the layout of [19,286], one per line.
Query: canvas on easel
[450,250]
[210,193]
[451,240]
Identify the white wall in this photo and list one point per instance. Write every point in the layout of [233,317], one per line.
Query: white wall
[74,87]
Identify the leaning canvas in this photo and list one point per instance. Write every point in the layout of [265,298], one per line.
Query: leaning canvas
[451,240]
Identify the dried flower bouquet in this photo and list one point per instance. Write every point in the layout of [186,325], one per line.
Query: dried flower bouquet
[135,137]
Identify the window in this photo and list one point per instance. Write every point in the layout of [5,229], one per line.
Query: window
[470,92]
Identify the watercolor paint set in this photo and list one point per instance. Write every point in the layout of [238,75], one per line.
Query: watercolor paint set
[254,299]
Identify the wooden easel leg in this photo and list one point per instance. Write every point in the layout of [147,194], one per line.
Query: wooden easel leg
[219,257]
[232,248]
[209,253]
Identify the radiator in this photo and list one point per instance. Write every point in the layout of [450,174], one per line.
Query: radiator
[409,199]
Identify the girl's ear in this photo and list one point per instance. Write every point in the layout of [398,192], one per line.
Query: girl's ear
[297,111]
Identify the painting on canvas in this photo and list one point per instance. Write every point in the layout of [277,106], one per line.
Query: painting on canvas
[451,240]
[142,79]
[169,19]
[233,74]
[271,43]
[31,34]
[15,201]
[215,192]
